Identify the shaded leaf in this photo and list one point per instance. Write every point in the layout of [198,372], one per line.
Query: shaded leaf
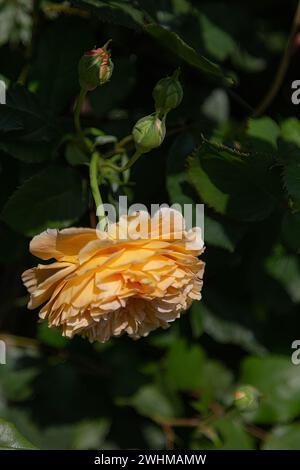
[184,366]
[226,331]
[51,199]
[226,180]
[115,11]
[283,438]
[151,402]
[278,380]
[179,47]
[264,133]
[10,438]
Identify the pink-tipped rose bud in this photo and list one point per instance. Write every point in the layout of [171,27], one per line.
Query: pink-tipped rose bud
[95,68]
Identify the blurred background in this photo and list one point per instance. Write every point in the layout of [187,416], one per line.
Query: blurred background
[222,376]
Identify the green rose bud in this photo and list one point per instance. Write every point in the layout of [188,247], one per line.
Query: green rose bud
[95,68]
[246,398]
[168,94]
[148,133]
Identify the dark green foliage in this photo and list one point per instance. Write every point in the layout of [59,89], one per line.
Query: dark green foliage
[57,393]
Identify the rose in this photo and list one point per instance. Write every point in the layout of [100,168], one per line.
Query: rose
[102,285]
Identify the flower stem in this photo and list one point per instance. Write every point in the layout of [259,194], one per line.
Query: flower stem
[79,103]
[283,67]
[94,164]
[132,160]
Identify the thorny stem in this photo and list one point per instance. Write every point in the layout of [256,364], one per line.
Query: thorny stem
[282,69]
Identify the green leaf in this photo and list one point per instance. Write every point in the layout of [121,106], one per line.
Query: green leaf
[115,11]
[83,435]
[212,389]
[227,181]
[291,178]
[151,402]
[278,380]
[29,152]
[183,366]
[51,336]
[221,234]
[264,133]
[226,434]
[179,47]
[290,131]
[219,43]
[29,132]
[10,438]
[232,434]
[226,331]
[53,198]
[177,184]
[285,269]
[17,377]
[75,156]
[283,438]
[290,150]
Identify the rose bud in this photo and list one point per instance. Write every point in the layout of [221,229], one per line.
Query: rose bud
[167,94]
[148,133]
[95,68]
[246,398]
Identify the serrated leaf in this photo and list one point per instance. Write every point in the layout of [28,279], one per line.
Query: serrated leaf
[53,198]
[226,180]
[185,52]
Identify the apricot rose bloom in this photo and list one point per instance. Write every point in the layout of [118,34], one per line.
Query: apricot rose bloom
[103,284]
